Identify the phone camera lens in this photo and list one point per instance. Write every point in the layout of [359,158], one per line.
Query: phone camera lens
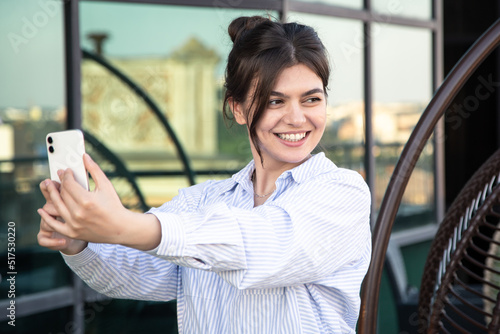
[51,149]
[49,139]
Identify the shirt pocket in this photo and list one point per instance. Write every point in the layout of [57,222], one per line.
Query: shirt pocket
[199,301]
[265,311]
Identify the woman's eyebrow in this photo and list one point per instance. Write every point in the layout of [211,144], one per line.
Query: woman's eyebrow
[309,92]
[314,91]
[278,94]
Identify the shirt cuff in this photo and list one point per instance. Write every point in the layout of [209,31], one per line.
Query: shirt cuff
[208,240]
[88,254]
[173,235]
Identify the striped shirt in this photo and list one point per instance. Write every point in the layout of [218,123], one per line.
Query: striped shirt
[292,265]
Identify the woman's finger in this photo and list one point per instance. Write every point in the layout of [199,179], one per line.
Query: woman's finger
[51,209]
[43,188]
[58,201]
[45,227]
[47,239]
[54,224]
[72,193]
[100,179]
[82,203]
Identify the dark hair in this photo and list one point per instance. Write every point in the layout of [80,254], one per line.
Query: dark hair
[262,49]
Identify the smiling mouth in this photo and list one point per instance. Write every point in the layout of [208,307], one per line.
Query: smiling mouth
[293,137]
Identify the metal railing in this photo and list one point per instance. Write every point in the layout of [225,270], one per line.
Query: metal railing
[399,180]
[154,108]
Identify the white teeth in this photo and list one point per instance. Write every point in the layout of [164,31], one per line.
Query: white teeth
[292,137]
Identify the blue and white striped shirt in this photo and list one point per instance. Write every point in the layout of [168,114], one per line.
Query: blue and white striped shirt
[292,265]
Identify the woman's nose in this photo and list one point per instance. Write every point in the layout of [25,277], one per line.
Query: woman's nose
[295,115]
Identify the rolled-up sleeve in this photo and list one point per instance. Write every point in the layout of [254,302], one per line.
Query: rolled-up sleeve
[305,234]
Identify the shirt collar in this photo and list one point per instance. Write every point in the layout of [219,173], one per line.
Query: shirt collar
[244,176]
[315,165]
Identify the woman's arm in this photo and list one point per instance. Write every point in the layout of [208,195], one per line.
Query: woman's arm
[305,235]
[122,272]
[96,216]
[114,270]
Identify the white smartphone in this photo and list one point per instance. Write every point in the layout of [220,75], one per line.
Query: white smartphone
[65,149]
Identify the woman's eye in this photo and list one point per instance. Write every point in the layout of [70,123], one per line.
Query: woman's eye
[275,102]
[313,99]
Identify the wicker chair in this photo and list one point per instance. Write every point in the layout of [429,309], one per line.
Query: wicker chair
[461,281]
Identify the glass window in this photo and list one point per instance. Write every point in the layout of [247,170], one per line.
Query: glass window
[421,9]
[177,56]
[357,4]
[344,136]
[55,321]
[402,88]
[31,104]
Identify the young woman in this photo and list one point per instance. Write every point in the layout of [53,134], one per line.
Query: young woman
[281,247]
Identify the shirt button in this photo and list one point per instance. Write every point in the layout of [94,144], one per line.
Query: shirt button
[171,249]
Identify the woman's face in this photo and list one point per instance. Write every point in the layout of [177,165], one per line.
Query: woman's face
[294,121]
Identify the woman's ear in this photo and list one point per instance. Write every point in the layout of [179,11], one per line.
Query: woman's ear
[237,110]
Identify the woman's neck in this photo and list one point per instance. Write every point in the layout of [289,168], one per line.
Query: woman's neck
[264,182]
[264,185]
[264,179]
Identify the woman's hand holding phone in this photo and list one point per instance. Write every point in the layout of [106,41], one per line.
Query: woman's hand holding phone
[96,216]
[49,238]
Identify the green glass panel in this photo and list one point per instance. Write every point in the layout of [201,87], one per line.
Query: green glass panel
[402,88]
[177,55]
[356,4]
[421,9]
[32,103]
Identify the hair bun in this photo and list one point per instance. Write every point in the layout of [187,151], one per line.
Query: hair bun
[243,24]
